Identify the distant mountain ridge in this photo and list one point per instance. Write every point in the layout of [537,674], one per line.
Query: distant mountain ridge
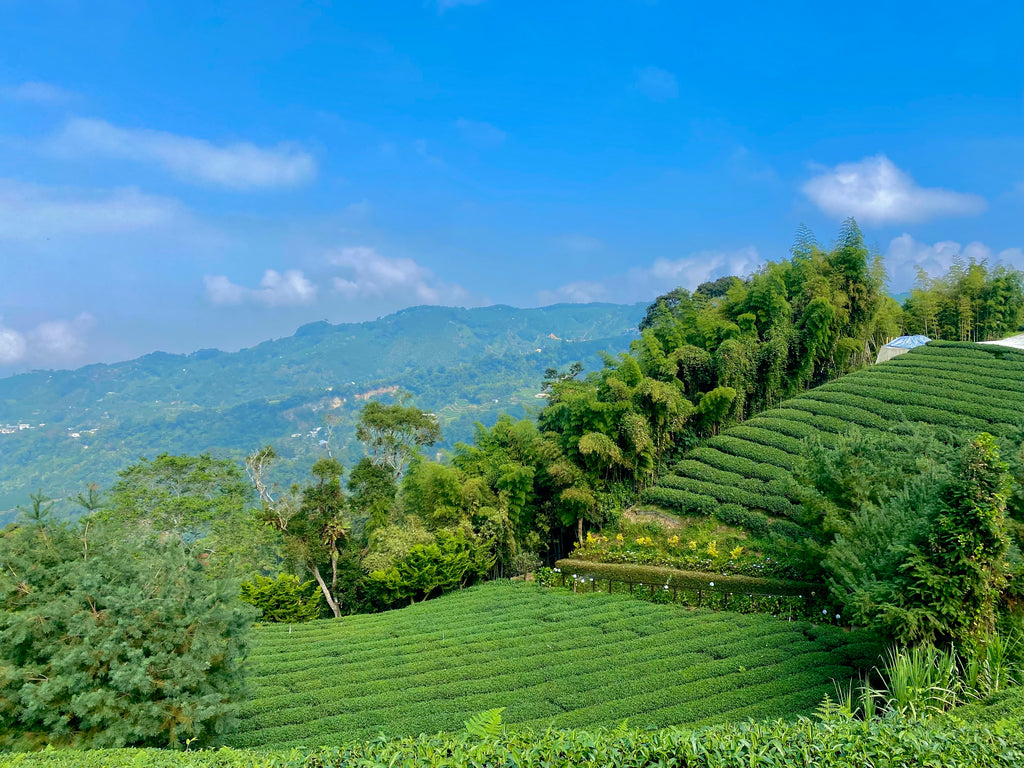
[465,364]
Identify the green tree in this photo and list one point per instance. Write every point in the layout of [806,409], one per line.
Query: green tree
[929,565]
[312,521]
[392,433]
[115,643]
[177,496]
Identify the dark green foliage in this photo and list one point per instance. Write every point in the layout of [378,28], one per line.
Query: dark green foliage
[284,599]
[373,490]
[929,564]
[105,642]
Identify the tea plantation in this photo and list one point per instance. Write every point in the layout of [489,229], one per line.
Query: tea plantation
[547,657]
[744,476]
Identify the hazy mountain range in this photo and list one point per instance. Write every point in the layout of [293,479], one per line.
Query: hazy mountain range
[64,429]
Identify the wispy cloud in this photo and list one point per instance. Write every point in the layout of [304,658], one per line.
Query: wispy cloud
[875,191]
[579,243]
[37,93]
[656,83]
[480,133]
[369,274]
[905,256]
[239,165]
[277,289]
[33,212]
[645,283]
[52,341]
[421,149]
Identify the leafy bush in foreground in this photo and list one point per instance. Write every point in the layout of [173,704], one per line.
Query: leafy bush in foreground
[834,743]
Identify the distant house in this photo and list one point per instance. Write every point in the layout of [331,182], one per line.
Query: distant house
[900,345]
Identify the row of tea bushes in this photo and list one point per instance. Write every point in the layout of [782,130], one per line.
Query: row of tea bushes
[774,744]
[967,387]
[542,654]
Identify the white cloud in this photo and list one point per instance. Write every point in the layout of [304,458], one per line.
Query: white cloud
[32,212]
[645,283]
[61,340]
[52,341]
[221,291]
[658,84]
[36,92]
[286,289]
[368,274]
[12,345]
[480,133]
[241,165]
[277,289]
[905,256]
[875,191]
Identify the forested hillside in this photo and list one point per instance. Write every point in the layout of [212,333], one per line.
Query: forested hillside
[465,365]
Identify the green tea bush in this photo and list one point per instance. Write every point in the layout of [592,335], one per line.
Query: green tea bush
[568,658]
[832,743]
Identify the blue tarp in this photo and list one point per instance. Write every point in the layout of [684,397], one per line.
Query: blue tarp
[908,342]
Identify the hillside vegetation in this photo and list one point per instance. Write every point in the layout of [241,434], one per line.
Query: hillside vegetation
[548,657]
[466,365]
[745,474]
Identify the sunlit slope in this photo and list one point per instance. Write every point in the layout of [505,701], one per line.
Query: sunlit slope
[745,475]
[548,657]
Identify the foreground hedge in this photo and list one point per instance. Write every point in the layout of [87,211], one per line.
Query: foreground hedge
[776,744]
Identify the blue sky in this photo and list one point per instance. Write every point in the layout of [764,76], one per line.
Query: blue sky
[184,175]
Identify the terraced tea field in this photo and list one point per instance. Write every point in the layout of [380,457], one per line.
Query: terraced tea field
[744,476]
[549,657]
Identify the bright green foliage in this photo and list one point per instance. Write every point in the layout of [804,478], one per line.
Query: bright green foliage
[284,599]
[108,642]
[454,560]
[548,656]
[517,464]
[972,302]
[793,324]
[930,563]
[833,743]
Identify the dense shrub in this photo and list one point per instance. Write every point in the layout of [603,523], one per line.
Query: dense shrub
[283,599]
[105,642]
